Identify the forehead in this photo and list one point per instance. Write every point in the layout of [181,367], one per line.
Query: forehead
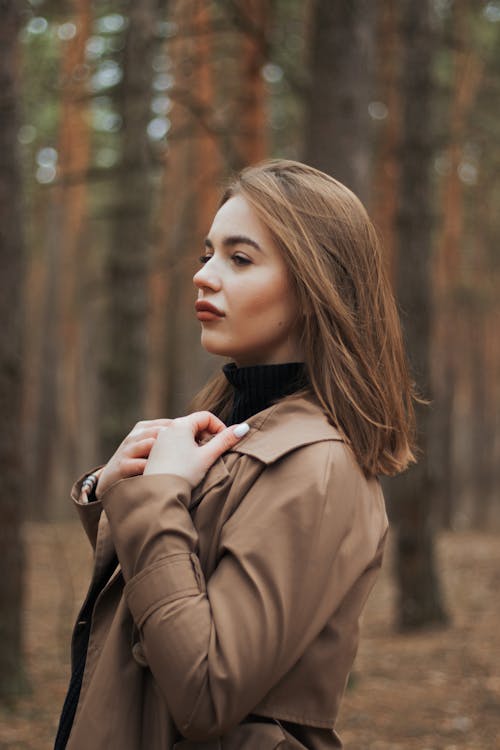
[237,216]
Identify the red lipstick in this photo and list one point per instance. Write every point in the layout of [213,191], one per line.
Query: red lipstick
[206,311]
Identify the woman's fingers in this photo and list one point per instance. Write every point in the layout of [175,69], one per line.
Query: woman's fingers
[223,442]
[147,429]
[204,423]
[177,450]
[131,456]
[119,468]
[145,423]
[141,448]
[187,446]
[129,467]
[138,435]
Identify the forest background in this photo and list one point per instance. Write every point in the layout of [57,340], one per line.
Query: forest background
[119,122]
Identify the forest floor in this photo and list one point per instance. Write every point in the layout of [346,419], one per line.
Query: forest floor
[437,690]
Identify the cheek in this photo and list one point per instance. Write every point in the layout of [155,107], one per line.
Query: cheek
[263,298]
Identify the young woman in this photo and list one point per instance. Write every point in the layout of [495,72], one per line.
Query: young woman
[232,562]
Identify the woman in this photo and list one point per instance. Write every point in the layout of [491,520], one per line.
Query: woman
[232,562]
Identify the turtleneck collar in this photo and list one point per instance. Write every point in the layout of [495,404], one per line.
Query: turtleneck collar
[258,386]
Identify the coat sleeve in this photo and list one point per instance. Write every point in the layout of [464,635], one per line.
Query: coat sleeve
[89,513]
[289,554]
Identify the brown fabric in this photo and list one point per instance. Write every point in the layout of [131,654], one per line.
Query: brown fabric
[248,735]
[247,604]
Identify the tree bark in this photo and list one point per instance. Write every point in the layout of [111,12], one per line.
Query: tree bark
[12,490]
[123,374]
[385,187]
[251,133]
[447,271]
[74,154]
[337,125]
[196,154]
[58,431]
[200,149]
[413,493]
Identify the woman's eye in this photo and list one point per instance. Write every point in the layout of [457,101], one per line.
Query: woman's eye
[240,260]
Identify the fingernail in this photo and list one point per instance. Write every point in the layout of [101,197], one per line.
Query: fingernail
[241,429]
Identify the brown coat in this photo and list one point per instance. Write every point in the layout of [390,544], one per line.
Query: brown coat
[247,603]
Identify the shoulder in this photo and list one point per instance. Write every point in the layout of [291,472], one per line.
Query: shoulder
[307,463]
[309,485]
[288,425]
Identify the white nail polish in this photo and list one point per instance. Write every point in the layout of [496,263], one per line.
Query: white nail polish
[241,429]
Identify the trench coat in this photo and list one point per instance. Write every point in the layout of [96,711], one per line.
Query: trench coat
[231,619]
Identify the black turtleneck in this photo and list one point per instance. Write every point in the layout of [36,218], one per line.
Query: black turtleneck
[258,386]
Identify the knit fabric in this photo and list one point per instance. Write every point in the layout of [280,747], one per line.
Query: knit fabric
[258,386]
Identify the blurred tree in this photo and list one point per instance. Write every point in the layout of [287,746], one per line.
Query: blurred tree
[59,428]
[12,489]
[413,492]
[466,72]
[286,73]
[476,413]
[192,170]
[218,123]
[124,351]
[71,199]
[252,20]
[337,124]
[387,111]
[41,71]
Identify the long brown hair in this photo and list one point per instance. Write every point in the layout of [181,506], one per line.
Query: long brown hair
[351,333]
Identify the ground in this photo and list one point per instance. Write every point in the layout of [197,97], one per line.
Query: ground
[438,690]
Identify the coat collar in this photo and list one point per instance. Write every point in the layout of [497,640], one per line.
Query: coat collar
[289,424]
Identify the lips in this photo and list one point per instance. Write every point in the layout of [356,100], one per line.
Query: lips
[206,311]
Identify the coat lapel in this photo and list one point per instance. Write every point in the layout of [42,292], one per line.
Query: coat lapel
[289,424]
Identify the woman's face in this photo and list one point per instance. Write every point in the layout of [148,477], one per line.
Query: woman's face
[244,278]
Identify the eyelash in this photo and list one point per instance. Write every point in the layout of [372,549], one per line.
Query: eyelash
[239,260]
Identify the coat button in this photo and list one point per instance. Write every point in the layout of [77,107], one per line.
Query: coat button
[139,655]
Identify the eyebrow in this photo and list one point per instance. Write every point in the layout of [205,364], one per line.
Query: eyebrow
[237,239]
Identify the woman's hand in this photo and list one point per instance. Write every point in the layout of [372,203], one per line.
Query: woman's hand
[131,455]
[181,447]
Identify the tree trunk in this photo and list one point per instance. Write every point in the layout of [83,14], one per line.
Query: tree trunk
[190,190]
[385,187]
[174,251]
[74,152]
[413,493]
[123,375]
[251,126]
[483,372]
[60,430]
[448,267]
[338,127]
[68,213]
[197,156]
[480,422]
[12,489]
[40,354]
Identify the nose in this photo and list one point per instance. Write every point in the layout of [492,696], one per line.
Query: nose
[207,277]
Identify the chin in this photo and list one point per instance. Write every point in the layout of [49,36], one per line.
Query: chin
[251,355]
[219,350]
[214,347]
